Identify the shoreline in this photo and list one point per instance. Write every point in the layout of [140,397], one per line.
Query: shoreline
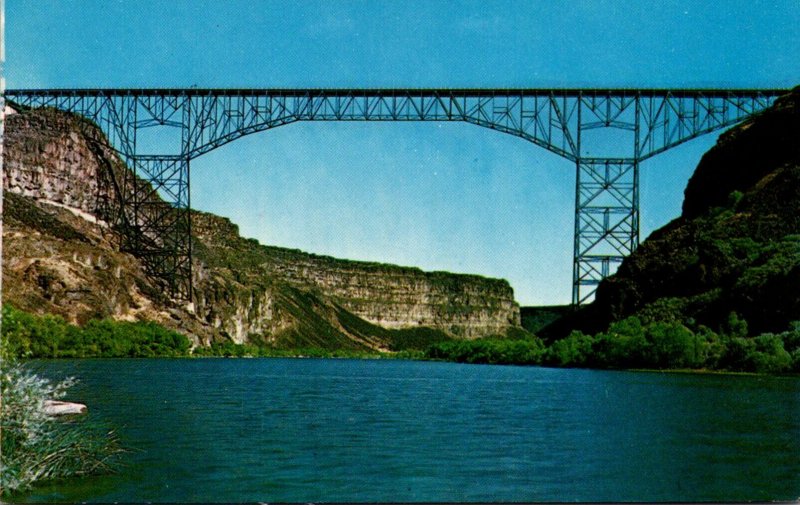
[394,356]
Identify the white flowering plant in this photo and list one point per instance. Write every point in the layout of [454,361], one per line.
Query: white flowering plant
[35,446]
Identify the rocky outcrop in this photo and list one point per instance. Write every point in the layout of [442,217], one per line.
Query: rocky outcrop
[736,247]
[62,258]
[393,297]
[57,262]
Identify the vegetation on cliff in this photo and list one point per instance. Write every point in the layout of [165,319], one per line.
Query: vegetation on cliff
[31,336]
[717,288]
[735,248]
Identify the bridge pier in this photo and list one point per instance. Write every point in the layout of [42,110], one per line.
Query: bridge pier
[606,221]
[164,221]
[157,225]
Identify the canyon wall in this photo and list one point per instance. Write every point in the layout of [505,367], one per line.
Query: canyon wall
[61,257]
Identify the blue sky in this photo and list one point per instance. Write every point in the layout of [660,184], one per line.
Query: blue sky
[439,196]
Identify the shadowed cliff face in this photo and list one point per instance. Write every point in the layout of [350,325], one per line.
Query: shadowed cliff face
[744,156]
[736,247]
[61,258]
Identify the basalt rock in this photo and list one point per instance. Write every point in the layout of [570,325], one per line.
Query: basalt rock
[465,306]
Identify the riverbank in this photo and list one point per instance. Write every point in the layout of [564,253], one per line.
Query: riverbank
[627,344]
[705,371]
[420,357]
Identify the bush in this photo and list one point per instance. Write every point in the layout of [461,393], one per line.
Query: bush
[735,327]
[769,355]
[528,351]
[37,447]
[631,344]
[762,354]
[711,348]
[623,346]
[738,349]
[791,343]
[573,351]
[672,345]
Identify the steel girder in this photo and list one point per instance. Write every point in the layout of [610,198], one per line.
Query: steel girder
[154,196]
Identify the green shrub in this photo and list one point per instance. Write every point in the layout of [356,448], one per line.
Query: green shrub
[573,351]
[624,345]
[791,343]
[795,366]
[737,353]
[489,351]
[734,198]
[769,355]
[672,345]
[735,327]
[711,348]
[30,336]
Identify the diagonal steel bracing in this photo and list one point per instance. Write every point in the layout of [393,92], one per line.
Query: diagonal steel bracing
[606,220]
[153,195]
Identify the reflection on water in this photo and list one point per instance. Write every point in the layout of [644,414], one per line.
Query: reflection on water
[354,430]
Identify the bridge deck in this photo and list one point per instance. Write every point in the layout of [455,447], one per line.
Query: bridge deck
[389,92]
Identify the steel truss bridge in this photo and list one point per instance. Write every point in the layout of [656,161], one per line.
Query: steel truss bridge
[153,196]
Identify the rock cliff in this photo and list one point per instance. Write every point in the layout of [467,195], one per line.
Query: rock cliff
[736,246]
[389,296]
[60,159]
[61,257]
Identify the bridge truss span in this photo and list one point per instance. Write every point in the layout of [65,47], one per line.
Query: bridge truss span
[154,199]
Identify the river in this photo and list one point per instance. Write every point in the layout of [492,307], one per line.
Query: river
[302,430]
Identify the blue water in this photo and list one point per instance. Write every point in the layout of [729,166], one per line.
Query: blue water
[357,430]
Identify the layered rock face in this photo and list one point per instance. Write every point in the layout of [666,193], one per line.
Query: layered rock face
[736,246]
[393,297]
[57,158]
[61,258]
[59,255]
[467,307]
